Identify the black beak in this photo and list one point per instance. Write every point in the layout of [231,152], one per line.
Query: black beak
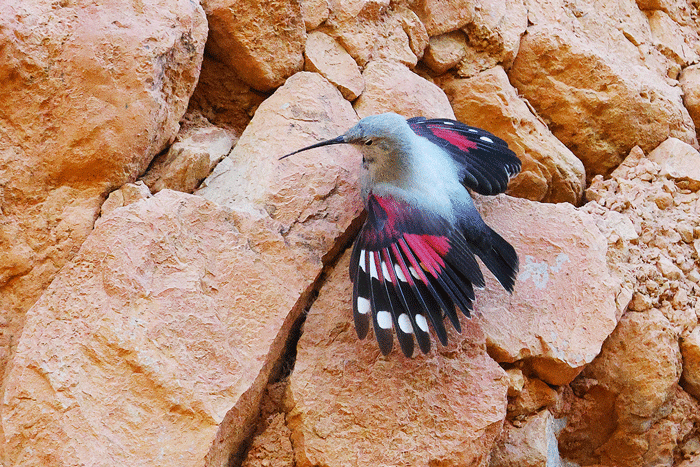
[339,140]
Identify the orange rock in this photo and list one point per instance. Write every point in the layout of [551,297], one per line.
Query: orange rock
[325,56]
[88,96]
[546,321]
[391,87]
[262,41]
[445,51]
[354,407]
[534,444]
[440,16]
[550,172]
[596,94]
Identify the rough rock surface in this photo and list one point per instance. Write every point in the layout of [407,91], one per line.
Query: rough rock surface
[533,444]
[550,172]
[83,110]
[391,87]
[544,322]
[262,41]
[324,55]
[345,396]
[580,68]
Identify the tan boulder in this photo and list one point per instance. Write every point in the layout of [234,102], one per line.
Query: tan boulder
[676,38]
[351,406]
[690,350]
[314,13]
[83,111]
[690,83]
[445,51]
[678,161]
[534,444]
[262,41]
[190,159]
[547,322]
[551,172]
[372,30]
[440,16]
[155,344]
[325,56]
[295,190]
[589,84]
[392,87]
[127,194]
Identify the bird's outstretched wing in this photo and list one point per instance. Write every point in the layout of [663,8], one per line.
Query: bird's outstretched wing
[487,162]
[409,269]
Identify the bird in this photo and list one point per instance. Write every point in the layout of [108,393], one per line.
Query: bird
[413,262]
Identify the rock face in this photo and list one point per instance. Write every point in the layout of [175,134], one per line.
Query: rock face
[84,110]
[165,328]
[345,396]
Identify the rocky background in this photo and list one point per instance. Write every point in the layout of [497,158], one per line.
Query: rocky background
[173,295]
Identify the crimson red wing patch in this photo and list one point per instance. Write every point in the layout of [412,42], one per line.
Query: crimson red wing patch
[409,271]
[487,162]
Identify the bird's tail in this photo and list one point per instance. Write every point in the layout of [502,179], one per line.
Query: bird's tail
[500,257]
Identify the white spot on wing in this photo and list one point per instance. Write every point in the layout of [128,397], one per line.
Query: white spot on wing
[413,272]
[422,323]
[372,267]
[486,138]
[472,130]
[447,122]
[362,260]
[399,273]
[405,323]
[385,272]
[384,319]
[362,305]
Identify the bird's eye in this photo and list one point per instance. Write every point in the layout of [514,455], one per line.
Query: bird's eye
[368,142]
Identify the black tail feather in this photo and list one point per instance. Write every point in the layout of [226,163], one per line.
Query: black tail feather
[499,256]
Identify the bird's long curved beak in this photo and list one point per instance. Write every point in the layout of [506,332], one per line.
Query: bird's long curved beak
[339,140]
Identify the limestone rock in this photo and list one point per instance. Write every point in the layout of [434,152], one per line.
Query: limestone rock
[190,159]
[164,328]
[690,83]
[690,349]
[441,16]
[589,84]
[124,196]
[546,322]
[372,30]
[678,161]
[325,56]
[676,40]
[262,41]
[272,448]
[306,109]
[391,87]
[551,172]
[354,407]
[445,51]
[83,111]
[314,13]
[532,445]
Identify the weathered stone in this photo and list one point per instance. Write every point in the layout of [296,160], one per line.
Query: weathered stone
[414,29]
[690,83]
[445,51]
[678,42]
[441,17]
[690,349]
[88,96]
[496,28]
[679,161]
[164,328]
[294,190]
[272,448]
[325,56]
[533,397]
[532,445]
[314,13]
[391,87]
[597,77]
[124,196]
[370,30]
[262,41]
[550,171]
[190,159]
[545,321]
[354,407]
